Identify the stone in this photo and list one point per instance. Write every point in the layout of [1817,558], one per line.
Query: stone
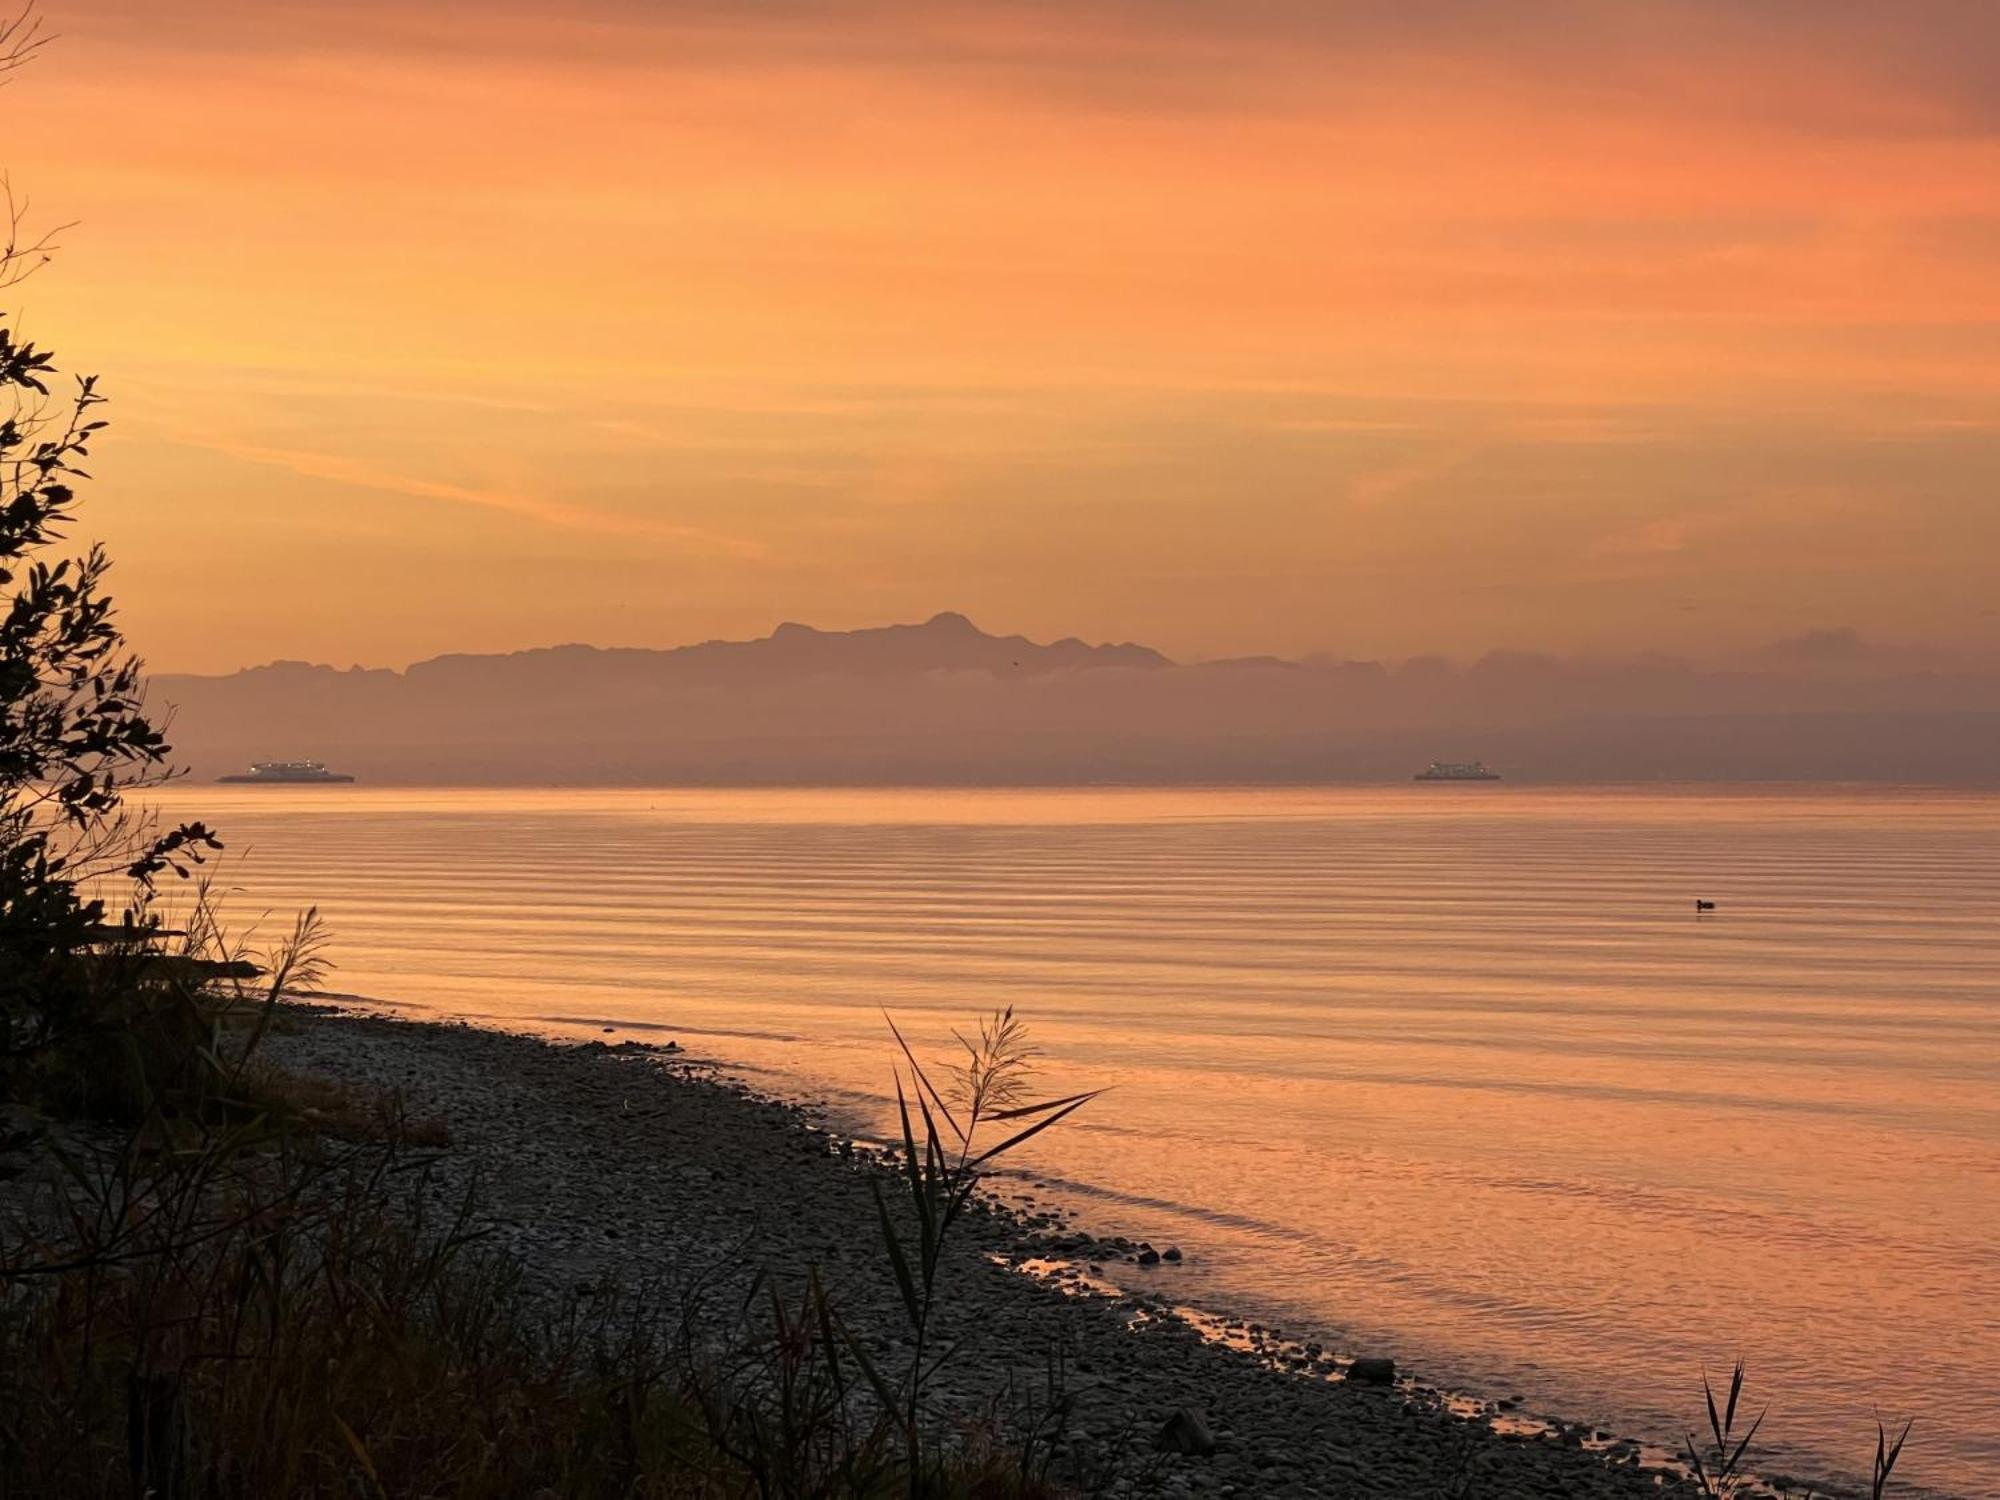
[1372,1370]
[1172,1252]
[1186,1431]
[1149,1256]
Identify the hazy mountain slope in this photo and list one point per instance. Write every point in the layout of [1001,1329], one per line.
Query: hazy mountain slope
[945,702]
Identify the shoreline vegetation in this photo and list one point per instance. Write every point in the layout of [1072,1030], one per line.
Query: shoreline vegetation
[418,1257]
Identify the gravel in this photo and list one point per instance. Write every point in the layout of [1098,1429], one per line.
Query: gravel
[602,1164]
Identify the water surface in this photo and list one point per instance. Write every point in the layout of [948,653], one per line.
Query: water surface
[1453,1072]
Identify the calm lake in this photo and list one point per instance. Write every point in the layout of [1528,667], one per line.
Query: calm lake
[1450,1072]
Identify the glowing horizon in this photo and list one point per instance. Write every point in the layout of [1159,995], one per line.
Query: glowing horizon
[1267,327]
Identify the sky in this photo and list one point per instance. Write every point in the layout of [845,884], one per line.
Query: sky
[1288,326]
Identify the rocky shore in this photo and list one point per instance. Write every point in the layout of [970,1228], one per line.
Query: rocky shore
[599,1165]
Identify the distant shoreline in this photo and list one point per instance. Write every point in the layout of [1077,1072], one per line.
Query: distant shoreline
[944,702]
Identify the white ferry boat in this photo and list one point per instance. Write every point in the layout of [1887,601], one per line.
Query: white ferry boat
[286,772]
[1456,770]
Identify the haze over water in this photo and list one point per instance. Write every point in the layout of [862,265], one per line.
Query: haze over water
[1452,1072]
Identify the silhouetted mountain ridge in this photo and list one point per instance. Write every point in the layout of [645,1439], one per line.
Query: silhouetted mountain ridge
[943,701]
[947,642]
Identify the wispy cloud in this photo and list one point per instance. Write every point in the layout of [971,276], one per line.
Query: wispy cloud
[1383,486]
[339,469]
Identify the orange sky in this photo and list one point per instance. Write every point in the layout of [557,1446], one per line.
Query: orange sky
[1268,325]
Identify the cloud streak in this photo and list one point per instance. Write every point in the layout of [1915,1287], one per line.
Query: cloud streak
[1922,66]
[555,514]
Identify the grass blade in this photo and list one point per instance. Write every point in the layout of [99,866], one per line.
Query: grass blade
[1035,1129]
[924,1079]
[1736,1458]
[897,1258]
[1023,1111]
[360,1453]
[873,1376]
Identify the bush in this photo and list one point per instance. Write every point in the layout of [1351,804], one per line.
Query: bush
[75,739]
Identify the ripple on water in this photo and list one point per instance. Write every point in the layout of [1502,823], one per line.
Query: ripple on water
[1468,1078]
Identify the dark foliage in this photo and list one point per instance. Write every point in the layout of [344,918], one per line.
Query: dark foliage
[75,738]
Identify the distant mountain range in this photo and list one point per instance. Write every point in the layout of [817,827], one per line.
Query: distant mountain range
[944,702]
[944,643]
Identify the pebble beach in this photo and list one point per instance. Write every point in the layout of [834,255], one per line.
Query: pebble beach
[602,1165]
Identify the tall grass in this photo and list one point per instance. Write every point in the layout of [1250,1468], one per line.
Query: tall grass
[1719,1471]
[166,1020]
[226,1298]
[942,1172]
